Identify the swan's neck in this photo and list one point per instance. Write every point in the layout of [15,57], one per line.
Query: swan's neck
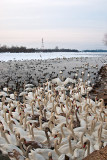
[67,120]
[88,149]
[9,116]
[28,126]
[32,109]
[32,133]
[101,117]
[27,152]
[62,109]
[2,105]
[21,119]
[5,117]
[92,126]
[48,139]
[10,126]
[70,146]
[60,138]
[56,150]
[19,108]
[40,122]
[45,114]
[4,135]
[25,125]
[77,117]
[62,131]
[55,110]
[50,99]
[21,147]
[41,110]
[24,98]
[80,109]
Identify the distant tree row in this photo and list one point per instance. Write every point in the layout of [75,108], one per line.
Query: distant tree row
[99,50]
[15,49]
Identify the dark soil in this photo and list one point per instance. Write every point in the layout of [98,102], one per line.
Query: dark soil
[100,87]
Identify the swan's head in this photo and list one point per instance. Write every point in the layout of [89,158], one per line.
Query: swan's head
[55,136]
[17,135]
[13,122]
[86,143]
[1,123]
[6,110]
[47,129]
[23,140]
[63,125]
[2,127]
[70,137]
[6,131]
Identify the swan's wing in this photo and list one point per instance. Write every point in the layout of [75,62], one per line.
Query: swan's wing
[29,85]
[3,93]
[57,80]
[22,93]
[60,88]
[69,80]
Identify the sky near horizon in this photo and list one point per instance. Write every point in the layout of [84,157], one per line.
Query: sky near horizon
[75,24]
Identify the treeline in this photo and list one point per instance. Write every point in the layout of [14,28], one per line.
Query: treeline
[99,50]
[15,49]
[56,50]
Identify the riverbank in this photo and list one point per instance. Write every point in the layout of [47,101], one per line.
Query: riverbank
[100,87]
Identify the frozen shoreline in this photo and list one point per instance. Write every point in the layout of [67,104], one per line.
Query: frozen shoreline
[44,56]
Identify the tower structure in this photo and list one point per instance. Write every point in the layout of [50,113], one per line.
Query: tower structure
[42,46]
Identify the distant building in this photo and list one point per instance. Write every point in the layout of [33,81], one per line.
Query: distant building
[42,45]
[56,48]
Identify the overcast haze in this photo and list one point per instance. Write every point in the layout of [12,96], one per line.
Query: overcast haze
[79,24]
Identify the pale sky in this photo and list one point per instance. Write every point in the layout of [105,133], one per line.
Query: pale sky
[75,24]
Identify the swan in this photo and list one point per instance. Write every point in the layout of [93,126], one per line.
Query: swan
[61,141]
[10,137]
[98,143]
[44,153]
[64,131]
[23,143]
[3,139]
[64,157]
[10,147]
[79,153]
[41,138]
[60,83]
[90,148]
[65,149]
[32,155]
[2,93]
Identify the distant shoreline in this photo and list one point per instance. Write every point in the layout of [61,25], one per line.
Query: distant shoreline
[15,49]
